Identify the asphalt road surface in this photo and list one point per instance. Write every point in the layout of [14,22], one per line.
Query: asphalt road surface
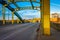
[26,31]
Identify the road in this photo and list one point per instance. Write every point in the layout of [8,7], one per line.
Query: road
[26,31]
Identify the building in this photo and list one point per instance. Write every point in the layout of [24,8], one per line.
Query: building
[55,17]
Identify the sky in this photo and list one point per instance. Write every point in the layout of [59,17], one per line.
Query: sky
[30,14]
[55,6]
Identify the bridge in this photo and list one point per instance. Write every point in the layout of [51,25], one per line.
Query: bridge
[28,31]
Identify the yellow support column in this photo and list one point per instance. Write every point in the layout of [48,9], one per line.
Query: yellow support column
[17,20]
[13,17]
[3,13]
[45,16]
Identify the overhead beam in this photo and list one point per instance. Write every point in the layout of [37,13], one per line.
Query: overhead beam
[25,0]
[13,1]
[22,1]
[23,8]
[10,8]
[32,4]
[26,8]
[45,16]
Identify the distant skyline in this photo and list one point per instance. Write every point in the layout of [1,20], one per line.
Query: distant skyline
[26,14]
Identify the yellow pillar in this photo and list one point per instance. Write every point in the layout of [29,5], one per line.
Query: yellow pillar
[45,16]
[3,13]
[13,17]
[17,20]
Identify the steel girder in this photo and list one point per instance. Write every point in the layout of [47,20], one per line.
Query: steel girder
[10,8]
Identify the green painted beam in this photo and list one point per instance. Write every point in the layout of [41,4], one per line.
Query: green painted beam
[11,9]
[27,8]
[32,4]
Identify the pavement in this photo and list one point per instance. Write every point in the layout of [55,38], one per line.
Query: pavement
[26,31]
[55,34]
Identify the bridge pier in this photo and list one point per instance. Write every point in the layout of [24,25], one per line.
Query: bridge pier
[13,17]
[3,13]
[45,16]
[17,20]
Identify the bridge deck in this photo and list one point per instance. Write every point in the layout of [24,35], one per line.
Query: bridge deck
[25,31]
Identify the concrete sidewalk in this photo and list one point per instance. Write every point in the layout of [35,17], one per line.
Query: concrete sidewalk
[55,35]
